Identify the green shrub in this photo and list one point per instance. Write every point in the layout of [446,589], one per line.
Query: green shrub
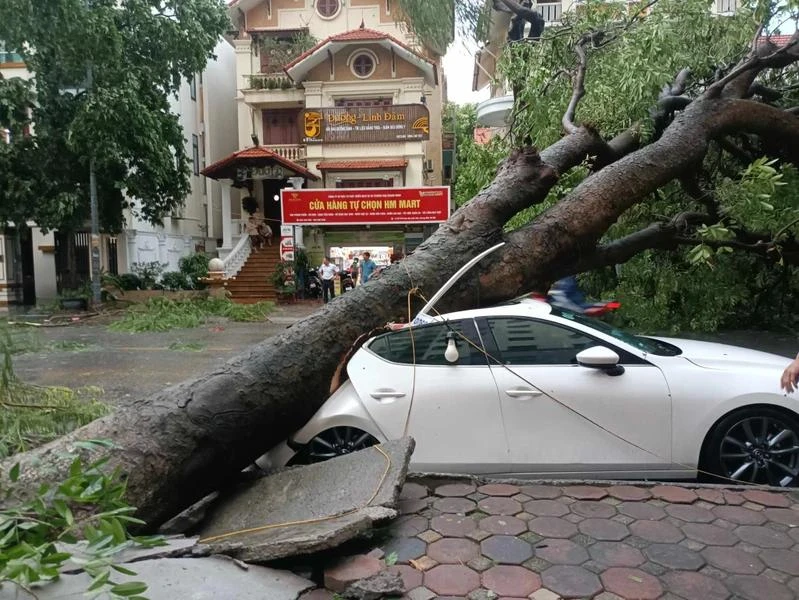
[175,280]
[148,273]
[195,267]
[129,281]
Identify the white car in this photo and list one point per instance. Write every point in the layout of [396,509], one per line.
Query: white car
[537,391]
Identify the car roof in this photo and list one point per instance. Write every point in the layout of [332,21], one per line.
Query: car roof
[522,307]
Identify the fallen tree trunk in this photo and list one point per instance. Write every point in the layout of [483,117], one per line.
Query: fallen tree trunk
[193,438]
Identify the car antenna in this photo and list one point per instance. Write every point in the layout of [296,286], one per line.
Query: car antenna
[423,316]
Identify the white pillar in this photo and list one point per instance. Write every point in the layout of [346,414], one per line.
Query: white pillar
[227,225]
[132,256]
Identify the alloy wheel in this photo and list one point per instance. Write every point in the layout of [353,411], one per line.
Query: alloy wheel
[337,441]
[760,449]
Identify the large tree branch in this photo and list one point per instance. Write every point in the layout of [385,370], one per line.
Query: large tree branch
[567,233]
[657,235]
[578,86]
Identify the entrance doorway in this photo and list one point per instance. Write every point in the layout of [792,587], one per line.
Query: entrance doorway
[342,256]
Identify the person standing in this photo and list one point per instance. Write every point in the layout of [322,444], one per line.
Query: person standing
[368,267]
[354,270]
[327,273]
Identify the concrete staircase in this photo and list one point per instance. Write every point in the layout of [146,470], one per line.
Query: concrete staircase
[254,282]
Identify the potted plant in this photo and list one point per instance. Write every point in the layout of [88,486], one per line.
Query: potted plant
[283,280]
[75,298]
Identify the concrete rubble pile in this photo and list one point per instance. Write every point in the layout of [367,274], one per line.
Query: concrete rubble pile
[293,513]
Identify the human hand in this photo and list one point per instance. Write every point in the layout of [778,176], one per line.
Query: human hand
[790,376]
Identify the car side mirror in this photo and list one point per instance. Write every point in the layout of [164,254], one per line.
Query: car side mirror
[599,357]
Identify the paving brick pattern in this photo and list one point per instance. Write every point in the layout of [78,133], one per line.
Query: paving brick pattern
[548,542]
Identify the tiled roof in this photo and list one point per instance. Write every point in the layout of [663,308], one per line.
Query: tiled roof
[362,165]
[218,170]
[356,35]
[777,40]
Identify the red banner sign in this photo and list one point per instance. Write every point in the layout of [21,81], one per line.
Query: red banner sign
[365,206]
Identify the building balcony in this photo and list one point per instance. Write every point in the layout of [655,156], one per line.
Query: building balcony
[293,152]
[494,112]
[551,11]
[271,88]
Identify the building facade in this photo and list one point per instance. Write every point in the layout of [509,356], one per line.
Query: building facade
[334,95]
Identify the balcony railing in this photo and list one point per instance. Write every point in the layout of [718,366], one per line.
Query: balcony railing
[268,81]
[10,57]
[551,11]
[726,6]
[292,152]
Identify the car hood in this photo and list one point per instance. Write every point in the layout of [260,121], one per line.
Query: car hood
[711,355]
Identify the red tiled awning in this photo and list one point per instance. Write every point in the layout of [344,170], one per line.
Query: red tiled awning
[362,165]
[257,156]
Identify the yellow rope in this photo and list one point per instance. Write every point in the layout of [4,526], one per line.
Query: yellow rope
[222,536]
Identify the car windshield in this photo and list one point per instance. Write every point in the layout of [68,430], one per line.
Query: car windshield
[650,345]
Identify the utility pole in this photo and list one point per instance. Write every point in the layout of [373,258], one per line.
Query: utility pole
[95,219]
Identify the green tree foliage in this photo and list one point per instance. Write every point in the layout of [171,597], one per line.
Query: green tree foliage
[736,266]
[137,52]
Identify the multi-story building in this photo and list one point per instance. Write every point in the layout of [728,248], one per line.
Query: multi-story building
[492,113]
[33,262]
[330,95]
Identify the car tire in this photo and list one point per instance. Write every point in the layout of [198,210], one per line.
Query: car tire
[753,445]
[333,442]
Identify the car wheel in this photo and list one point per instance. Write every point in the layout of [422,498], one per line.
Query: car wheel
[334,442]
[755,445]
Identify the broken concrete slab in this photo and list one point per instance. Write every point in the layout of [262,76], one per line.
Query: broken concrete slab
[377,586]
[311,508]
[186,579]
[351,569]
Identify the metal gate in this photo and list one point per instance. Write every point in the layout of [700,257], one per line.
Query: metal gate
[111,256]
[72,259]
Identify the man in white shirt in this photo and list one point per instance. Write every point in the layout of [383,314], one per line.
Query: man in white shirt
[327,273]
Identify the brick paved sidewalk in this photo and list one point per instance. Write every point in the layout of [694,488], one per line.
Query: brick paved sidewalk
[457,540]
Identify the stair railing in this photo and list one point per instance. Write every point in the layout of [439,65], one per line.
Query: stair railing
[238,256]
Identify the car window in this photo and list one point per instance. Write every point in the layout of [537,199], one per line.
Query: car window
[429,342]
[650,345]
[530,342]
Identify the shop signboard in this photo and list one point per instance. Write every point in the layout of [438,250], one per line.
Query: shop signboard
[340,125]
[365,206]
[286,248]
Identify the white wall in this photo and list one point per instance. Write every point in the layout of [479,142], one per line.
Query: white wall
[221,136]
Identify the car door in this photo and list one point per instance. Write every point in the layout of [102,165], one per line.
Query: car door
[562,418]
[451,410]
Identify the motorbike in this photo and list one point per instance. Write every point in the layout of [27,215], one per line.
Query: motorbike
[313,285]
[566,295]
[347,283]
